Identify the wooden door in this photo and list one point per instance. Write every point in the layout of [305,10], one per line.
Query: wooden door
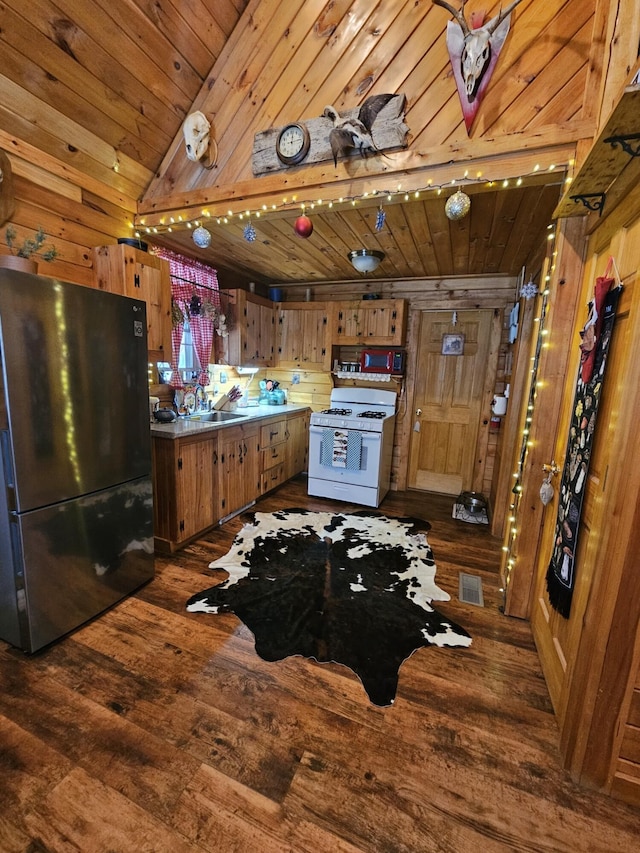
[558,639]
[448,400]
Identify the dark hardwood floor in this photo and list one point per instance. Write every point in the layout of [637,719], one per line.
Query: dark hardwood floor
[154,729]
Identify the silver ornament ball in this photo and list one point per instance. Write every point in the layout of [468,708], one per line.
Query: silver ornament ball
[201,237]
[457,205]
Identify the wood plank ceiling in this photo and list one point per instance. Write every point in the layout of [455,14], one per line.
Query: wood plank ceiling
[100,88]
[505,230]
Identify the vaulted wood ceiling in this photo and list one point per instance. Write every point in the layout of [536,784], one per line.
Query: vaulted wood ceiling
[94,93]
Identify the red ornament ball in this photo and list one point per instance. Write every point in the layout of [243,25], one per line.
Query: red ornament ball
[303,226]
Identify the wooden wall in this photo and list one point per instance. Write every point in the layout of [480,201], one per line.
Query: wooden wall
[76,211]
[591,661]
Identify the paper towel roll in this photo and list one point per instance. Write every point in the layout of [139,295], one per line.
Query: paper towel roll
[499,406]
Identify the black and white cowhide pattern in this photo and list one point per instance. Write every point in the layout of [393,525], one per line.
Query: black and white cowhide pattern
[353,589]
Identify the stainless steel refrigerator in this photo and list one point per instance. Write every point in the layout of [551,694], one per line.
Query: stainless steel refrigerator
[76,509]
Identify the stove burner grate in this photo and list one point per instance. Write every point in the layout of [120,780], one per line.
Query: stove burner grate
[341,412]
[375,415]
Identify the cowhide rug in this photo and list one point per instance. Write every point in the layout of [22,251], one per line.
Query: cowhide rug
[353,589]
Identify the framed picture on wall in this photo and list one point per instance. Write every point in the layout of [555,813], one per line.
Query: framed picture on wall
[452,344]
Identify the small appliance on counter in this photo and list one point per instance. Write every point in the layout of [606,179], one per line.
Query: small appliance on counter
[271,394]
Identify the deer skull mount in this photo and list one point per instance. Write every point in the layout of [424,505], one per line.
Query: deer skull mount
[197,139]
[473,52]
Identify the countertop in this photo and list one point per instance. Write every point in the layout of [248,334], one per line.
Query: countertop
[190,426]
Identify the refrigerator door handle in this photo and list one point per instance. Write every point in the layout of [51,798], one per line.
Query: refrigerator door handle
[7,468]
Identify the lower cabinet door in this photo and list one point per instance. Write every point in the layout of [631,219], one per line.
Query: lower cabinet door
[196,503]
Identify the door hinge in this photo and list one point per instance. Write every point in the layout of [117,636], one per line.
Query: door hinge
[179,463]
[136,280]
[181,525]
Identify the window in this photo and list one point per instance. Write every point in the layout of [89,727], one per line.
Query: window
[195,298]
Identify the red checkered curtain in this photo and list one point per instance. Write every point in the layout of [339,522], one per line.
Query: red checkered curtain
[176,339]
[194,289]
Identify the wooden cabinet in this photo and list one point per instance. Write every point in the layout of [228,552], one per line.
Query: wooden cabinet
[273,450]
[201,479]
[297,446]
[238,467]
[132,272]
[251,339]
[184,487]
[303,336]
[283,449]
[376,322]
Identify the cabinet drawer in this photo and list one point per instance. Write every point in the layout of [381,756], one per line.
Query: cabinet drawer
[271,456]
[273,433]
[273,477]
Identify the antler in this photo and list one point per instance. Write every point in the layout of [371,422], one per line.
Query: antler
[458,14]
[502,15]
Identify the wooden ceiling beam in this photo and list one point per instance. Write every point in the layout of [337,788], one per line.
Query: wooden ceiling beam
[413,172]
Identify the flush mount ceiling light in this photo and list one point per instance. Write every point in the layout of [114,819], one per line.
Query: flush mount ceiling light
[365,260]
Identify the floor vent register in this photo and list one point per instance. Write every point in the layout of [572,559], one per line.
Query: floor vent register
[470,589]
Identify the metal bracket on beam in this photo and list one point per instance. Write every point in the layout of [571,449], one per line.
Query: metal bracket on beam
[625,142]
[592,201]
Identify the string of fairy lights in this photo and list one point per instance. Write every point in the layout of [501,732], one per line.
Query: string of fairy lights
[509,547]
[180,222]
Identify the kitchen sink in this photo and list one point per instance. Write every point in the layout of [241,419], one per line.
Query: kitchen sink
[216,417]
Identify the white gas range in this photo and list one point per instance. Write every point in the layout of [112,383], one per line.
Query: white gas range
[351,445]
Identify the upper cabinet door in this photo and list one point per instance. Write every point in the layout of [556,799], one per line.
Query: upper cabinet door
[302,336]
[251,323]
[132,272]
[376,322]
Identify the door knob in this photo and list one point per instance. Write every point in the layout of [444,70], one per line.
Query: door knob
[418,412]
[551,468]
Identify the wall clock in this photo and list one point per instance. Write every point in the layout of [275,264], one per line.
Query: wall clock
[292,144]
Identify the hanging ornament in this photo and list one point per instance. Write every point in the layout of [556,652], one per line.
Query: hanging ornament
[457,205]
[529,290]
[201,237]
[195,305]
[303,226]
[380,218]
[546,491]
[249,233]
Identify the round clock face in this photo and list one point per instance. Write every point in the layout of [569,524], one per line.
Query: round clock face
[292,145]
